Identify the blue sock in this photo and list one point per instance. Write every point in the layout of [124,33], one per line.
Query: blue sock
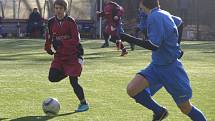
[144,98]
[196,115]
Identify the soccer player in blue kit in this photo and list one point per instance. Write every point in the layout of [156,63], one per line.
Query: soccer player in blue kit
[142,26]
[165,70]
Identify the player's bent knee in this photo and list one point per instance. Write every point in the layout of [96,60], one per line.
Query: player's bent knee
[185,107]
[138,84]
[53,79]
[185,110]
[131,90]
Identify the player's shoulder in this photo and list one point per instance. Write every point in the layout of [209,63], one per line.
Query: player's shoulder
[70,19]
[158,14]
[113,3]
[52,19]
[177,18]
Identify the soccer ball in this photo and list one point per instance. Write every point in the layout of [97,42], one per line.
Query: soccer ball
[51,106]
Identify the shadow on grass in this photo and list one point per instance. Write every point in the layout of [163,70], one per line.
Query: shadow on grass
[99,53]
[40,118]
[34,57]
[1,119]
[198,46]
[209,52]
[21,54]
[92,58]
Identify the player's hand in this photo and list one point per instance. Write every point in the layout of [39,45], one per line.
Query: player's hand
[98,12]
[112,28]
[50,52]
[116,18]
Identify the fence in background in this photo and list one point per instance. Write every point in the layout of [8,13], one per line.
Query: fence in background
[198,15]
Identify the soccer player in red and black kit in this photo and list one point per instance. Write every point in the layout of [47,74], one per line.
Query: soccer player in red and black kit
[112,13]
[63,35]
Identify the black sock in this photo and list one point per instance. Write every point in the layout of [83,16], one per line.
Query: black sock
[106,37]
[77,89]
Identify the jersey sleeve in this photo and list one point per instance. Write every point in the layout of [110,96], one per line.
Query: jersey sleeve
[155,31]
[48,37]
[75,45]
[75,35]
[120,11]
[177,20]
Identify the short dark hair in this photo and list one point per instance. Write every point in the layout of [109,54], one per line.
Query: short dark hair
[150,4]
[63,3]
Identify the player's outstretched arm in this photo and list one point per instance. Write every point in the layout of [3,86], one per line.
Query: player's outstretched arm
[48,43]
[137,41]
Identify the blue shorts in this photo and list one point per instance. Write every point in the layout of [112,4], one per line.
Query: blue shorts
[172,77]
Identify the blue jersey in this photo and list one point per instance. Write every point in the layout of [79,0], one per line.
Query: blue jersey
[143,20]
[178,21]
[163,33]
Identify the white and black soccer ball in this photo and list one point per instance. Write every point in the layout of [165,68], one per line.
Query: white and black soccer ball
[51,106]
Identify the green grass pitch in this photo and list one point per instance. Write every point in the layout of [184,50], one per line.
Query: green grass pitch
[23,82]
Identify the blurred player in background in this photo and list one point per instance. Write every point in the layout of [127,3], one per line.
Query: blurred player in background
[64,36]
[141,26]
[165,70]
[112,13]
[35,23]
